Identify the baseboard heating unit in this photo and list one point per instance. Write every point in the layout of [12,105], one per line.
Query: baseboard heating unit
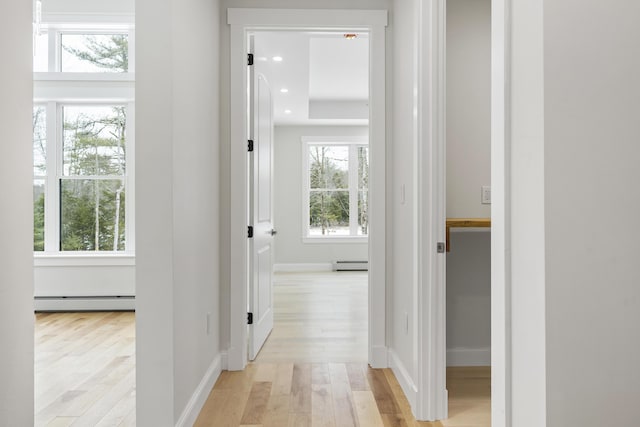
[351,266]
[85,303]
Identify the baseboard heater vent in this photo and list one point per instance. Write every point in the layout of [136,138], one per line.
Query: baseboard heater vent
[85,303]
[351,266]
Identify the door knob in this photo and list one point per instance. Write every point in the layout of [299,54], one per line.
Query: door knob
[273,232]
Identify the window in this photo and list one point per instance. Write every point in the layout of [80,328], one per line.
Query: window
[336,188]
[81,51]
[82,138]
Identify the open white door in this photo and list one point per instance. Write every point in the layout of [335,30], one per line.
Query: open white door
[260,213]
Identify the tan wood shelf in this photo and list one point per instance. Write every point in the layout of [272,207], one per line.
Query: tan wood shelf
[465,223]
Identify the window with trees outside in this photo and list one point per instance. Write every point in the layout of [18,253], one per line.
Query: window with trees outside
[82,139]
[336,189]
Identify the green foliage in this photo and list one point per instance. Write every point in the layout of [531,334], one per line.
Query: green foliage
[38,223]
[109,52]
[92,209]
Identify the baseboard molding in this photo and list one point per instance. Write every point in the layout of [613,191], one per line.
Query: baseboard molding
[406,382]
[299,268]
[469,356]
[379,357]
[127,303]
[199,397]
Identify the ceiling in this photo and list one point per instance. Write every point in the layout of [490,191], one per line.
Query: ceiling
[325,75]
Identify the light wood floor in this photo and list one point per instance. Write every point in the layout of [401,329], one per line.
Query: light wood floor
[85,369]
[312,370]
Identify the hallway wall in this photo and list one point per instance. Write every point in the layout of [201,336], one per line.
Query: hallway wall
[16,217]
[177,188]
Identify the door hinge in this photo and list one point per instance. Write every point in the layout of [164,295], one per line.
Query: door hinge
[441,247]
[250,232]
[249,318]
[250,59]
[250,145]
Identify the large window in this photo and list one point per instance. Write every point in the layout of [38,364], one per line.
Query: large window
[82,128]
[336,189]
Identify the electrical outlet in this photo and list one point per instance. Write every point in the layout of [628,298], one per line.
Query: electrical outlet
[486,194]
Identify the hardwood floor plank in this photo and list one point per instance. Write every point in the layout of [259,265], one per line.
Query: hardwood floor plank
[343,406]
[357,378]
[382,392]
[322,414]
[277,414]
[367,409]
[282,381]
[301,389]
[394,420]
[299,420]
[256,406]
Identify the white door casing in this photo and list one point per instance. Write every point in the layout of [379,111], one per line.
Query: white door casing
[242,21]
[260,214]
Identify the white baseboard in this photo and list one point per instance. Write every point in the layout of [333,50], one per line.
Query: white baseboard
[379,357]
[127,303]
[298,268]
[406,382]
[199,397]
[469,356]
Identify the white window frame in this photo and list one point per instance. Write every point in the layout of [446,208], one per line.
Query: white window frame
[353,142]
[55,89]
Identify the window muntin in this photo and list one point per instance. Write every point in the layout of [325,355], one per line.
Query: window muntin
[336,190]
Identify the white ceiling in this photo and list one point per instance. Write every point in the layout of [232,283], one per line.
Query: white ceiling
[326,70]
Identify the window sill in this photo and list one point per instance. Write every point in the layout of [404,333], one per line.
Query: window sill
[336,239]
[83,77]
[83,259]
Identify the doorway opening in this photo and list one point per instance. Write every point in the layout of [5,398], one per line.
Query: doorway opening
[468,204]
[245,22]
[308,192]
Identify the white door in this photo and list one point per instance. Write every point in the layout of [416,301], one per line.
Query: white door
[260,213]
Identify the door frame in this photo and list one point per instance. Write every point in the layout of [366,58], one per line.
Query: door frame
[374,22]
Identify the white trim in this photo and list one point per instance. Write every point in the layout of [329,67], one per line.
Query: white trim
[124,303]
[242,20]
[335,239]
[199,397]
[430,304]
[338,140]
[404,379]
[307,18]
[469,356]
[294,268]
[501,213]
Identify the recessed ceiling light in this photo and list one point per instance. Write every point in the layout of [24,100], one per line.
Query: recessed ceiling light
[284,90]
[350,36]
[277,58]
[287,111]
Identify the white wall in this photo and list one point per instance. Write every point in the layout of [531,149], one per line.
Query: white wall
[591,154]
[469,299]
[16,217]
[401,236]
[468,168]
[288,182]
[225,142]
[177,206]
[468,106]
